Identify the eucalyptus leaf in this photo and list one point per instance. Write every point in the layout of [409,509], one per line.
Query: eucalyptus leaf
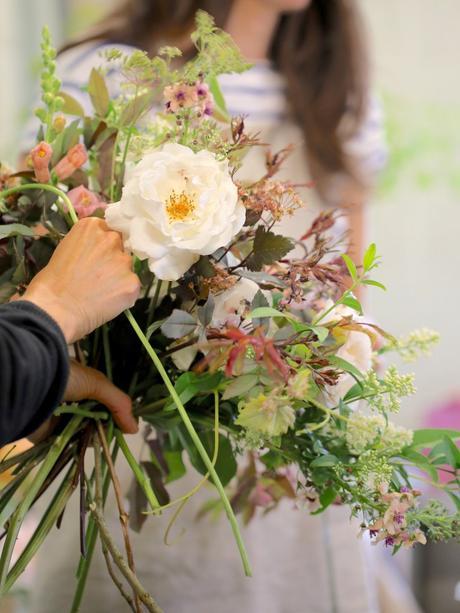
[179,324]
[206,311]
[262,278]
[14,229]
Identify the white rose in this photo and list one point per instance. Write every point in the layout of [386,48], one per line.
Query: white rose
[177,205]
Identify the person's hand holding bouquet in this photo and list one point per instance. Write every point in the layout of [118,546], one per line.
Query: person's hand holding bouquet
[66,290]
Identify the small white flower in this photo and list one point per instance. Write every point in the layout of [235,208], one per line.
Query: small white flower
[177,205]
[337,313]
[231,304]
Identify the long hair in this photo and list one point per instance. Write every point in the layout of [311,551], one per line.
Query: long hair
[319,50]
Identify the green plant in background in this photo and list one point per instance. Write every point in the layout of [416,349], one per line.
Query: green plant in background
[423,145]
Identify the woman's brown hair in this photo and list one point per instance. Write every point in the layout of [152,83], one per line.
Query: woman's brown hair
[319,50]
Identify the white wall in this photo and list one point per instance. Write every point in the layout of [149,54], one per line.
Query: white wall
[20,27]
[415,220]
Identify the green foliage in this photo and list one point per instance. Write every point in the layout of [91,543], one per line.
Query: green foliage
[225,464]
[179,324]
[98,92]
[267,248]
[50,86]
[15,229]
[217,52]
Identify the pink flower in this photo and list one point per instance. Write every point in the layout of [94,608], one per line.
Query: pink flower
[75,157]
[84,201]
[180,96]
[260,497]
[202,90]
[41,156]
[205,98]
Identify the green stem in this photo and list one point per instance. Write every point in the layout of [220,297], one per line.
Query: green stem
[92,534]
[151,406]
[64,410]
[56,449]
[154,302]
[196,440]
[140,475]
[47,188]
[183,499]
[112,170]
[330,412]
[51,514]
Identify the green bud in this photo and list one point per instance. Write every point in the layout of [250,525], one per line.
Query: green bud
[58,103]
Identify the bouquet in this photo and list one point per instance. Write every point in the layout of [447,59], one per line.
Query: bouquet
[243,343]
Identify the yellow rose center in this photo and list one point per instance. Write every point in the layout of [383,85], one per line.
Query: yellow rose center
[180,206]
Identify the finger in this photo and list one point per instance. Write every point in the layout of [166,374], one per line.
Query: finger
[88,383]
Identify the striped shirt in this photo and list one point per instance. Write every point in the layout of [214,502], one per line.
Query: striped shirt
[260,94]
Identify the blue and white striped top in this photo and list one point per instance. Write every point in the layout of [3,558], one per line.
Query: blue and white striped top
[259,94]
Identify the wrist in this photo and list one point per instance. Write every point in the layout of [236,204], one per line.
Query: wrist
[54,308]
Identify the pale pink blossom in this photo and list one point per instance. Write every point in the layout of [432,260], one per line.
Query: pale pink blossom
[260,497]
[84,201]
[74,159]
[179,96]
[41,157]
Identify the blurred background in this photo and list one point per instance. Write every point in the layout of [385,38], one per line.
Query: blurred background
[414,216]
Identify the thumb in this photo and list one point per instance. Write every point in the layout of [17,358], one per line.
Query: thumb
[89,384]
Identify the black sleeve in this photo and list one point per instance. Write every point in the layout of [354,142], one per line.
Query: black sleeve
[34,368]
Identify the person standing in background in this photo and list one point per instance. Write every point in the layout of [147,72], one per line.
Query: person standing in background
[308,86]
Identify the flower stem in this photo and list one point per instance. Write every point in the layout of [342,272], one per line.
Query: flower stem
[140,475]
[325,409]
[196,440]
[91,535]
[75,410]
[47,188]
[199,485]
[55,451]
[53,511]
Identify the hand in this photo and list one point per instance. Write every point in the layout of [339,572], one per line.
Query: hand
[89,384]
[87,282]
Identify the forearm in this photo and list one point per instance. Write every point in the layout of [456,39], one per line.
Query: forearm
[357,239]
[34,369]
